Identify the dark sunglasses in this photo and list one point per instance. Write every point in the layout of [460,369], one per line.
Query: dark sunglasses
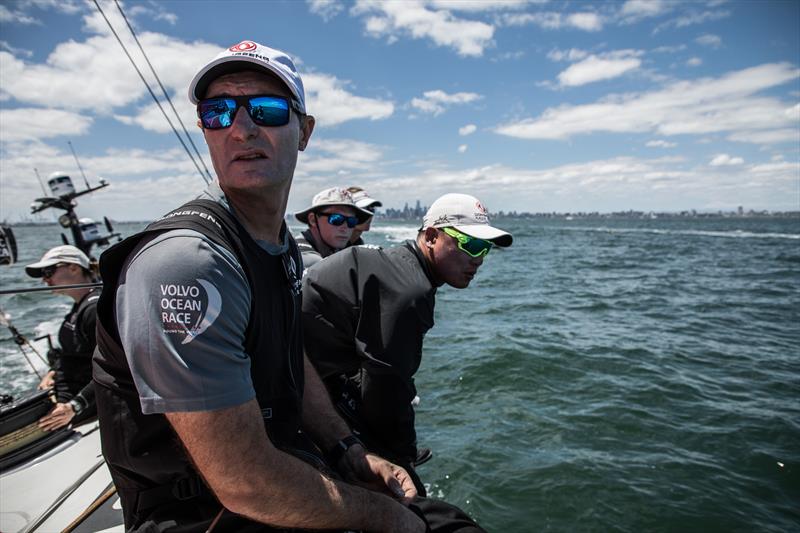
[264,110]
[337,219]
[472,246]
[47,272]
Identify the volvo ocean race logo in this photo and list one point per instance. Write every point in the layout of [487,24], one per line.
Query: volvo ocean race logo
[189,309]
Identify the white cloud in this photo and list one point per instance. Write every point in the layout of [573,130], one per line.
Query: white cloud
[585,21]
[37,123]
[724,160]
[99,63]
[482,5]
[462,148]
[150,118]
[708,105]
[4,45]
[154,11]
[694,62]
[708,39]
[776,136]
[634,10]
[68,7]
[413,19]
[508,56]
[595,68]
[573,54]
[693,18]
[327,156]
[660,143]
[669,49]
[352,162]
[331,103]
[16,17]
[327,9]
[617,183]
[436,102]
[469,129]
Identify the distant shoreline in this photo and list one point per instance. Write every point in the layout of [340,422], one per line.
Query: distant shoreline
[622,215]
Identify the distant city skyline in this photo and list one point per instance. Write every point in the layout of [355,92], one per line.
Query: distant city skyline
[534,106]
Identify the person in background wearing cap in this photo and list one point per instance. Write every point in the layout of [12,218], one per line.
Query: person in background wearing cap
[366,312]
[71,363]
[200,377]
[331,220]
[364,201]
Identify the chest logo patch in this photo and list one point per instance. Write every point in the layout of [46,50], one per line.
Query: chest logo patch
[188,309]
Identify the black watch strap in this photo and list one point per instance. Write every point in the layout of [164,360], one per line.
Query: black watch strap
[340,448]
[77,405]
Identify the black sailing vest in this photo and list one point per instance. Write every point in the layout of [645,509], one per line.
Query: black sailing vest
[73,362]
[142,451]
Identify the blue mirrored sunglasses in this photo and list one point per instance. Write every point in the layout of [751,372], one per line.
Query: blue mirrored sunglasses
[337,219]
[264,110]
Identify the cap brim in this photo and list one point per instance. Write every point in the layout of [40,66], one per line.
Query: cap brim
[368,202]
[228,65]
[34,270]
[302,216]
[362,214]
[498,237]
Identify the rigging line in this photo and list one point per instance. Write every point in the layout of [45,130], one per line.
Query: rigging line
[166,94]
[20,340]
[79,164]
[21,290]
[108,22]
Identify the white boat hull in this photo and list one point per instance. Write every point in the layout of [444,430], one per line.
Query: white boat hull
[49,492]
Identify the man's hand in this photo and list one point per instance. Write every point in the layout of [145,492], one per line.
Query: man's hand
[47,381]
[61,415]
[376,473]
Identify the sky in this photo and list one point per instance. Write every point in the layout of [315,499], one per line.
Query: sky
[530,105]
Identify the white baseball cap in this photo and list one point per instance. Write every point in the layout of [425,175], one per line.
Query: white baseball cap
[362,199]
[60,254]
[466,214]
[332,196]
[249,55]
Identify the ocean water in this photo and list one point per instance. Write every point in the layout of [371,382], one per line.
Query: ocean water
[599,375]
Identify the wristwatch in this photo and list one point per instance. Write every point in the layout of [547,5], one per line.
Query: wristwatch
[338,450]
[77,406]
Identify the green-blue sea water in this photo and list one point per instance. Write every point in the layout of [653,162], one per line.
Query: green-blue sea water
[599,375]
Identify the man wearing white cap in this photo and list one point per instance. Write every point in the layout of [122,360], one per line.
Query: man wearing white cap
[70,363]
[331,220]
[199,339]
[366,312]
[364,201]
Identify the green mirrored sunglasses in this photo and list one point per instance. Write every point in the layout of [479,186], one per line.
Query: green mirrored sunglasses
[472,246]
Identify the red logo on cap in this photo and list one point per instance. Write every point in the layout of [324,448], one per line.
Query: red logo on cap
[480,207]
[244,46]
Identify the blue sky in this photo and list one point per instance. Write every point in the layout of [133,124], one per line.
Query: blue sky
[529,105]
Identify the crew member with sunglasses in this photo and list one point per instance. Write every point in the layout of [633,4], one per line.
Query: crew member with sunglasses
[366,312]
[200,376]
[71,363]
[331,220]
[364,201]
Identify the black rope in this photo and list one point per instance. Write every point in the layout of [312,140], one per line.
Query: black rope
[163,90]
[108,22]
